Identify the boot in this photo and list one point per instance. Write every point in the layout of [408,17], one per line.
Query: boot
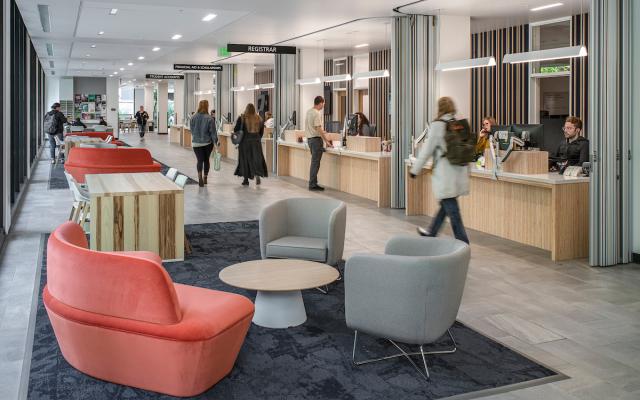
[205,179]
[200,181]
[257,180]
[245,182]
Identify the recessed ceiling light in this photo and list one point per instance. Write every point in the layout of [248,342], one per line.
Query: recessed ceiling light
[176,36]
[110,76]
[156,49]
[209,17]
[101,33]
[130,64]
[87,55]
[546,7]
[93,46]
[361,45]
[115,72]
[121,69]
[141,58]
[113,11]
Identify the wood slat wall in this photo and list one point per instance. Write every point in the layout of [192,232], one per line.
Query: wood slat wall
[379,91]
[579,70]
[501,91]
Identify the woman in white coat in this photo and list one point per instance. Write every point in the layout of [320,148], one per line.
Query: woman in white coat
[448,181]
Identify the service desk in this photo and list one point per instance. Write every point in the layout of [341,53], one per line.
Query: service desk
[548,211]
[227,149]
[186,137]
[361,174]
[175,134]
[137,211]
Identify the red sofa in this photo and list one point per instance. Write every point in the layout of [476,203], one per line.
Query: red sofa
[83,161]
[117,316]
[101,135]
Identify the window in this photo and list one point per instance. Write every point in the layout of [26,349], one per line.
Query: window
[125,103]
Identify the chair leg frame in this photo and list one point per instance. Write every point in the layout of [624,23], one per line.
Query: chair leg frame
[422,353]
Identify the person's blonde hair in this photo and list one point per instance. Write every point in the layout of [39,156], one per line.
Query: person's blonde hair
[203,107]
[445,106]
[252,120]
[492,121]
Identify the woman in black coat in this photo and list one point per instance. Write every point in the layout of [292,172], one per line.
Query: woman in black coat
[250,158]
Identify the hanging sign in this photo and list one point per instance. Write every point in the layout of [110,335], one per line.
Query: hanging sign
[197,67]
[256,48]
[163,76]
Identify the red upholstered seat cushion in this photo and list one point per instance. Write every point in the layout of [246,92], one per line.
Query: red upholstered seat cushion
[83,161]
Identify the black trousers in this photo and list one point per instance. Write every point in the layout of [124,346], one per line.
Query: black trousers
[202,155]
[316,148]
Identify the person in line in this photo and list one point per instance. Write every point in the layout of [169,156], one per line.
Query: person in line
[203,138]
[574,150]
[77,122]
[483,135]
[141,118]
[213,114]
[102,122]
[316,137]
[448,181]
[54,122]
[251,161]
[268,117]
[362,126]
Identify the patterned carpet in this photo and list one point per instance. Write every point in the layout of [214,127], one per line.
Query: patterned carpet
[311,361]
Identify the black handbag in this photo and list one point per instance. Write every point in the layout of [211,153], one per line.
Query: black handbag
[237,136]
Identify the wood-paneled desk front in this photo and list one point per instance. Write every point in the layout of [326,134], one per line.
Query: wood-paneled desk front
[548,211]
[361,174]
[186,137]
[137,211]
[227,149]
[175,134]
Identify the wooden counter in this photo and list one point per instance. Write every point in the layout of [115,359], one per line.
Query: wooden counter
[267,150]
[548,211]
[227,149]
[72,141]
[362,174]
[186,137]
[175,134]
[137,211]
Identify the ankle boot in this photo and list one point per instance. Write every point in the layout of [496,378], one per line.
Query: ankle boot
[245,182]
[257,180]
[200,181]
[205,179]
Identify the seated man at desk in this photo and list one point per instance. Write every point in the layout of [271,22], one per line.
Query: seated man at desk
[574,150]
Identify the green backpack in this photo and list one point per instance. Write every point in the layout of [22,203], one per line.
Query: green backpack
[461,142]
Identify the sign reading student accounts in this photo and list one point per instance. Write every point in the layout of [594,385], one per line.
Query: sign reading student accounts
[161,76]
[253,48]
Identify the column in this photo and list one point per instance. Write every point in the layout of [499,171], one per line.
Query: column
[148,99]
[163,107]
[224,96]
[310,65]
[284,93]
[454,43]
[635,129]
[113,101]
[190,87]
[413,90]
[243,77]
[609,131]
[178,101]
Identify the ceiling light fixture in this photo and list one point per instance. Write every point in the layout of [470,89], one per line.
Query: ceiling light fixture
[156,49]
[176,36]
[49,49]
[121,69]
[466,64]
[255,87]
[237,89]
[113,11]
[546,7]
[209,17]
[110,76]
[101,33]
[93,46]
[383,73]
[267,86]
[545,55]
[87,55]
[51,64]
[337,78]
[115,72]
[45,19]
[358,46]
[308,81]
[130,64]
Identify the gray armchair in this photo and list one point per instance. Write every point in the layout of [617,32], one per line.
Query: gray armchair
[304,228]
[411,294]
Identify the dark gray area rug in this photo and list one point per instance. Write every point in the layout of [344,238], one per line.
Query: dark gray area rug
[311,361]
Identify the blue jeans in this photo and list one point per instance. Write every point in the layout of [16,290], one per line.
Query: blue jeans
[52,144]
[449,207]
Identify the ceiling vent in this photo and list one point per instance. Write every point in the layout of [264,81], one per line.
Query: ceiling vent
[45,21]
[51,64]
[49,49]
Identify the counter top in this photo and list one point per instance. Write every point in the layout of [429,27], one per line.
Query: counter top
[540,179]
[228,134]
[108,185]
[341,151]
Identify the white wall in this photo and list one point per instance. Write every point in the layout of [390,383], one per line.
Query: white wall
[178,100]
[244,77]
[66,89]
[635,164]
[113,101]
[311,62]
[52,91]
[138,99]
[454,43]
[163,106]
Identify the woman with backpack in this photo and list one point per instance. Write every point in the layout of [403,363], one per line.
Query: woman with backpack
[449,180]
[250,158]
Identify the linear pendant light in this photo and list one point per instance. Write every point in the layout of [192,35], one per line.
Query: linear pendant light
[254,87]
[308,81]
[544,55]
[466,64]
[268,86]
[337,78]
[237,89]
[382,73]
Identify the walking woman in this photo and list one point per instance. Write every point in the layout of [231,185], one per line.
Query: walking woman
[203,137]
[250,158]
[448,181]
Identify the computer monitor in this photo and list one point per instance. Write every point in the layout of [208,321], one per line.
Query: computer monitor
[498,134]
[352,124]
[536,133]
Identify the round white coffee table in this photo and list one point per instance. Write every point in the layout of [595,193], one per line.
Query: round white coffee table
[279,301]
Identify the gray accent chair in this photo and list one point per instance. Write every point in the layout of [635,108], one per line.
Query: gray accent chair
[304,228]
[411,294]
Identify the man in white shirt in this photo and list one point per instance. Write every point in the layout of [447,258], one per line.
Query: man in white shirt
[316,137]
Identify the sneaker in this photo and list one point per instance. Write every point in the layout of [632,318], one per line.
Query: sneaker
[422,231]
[316,188]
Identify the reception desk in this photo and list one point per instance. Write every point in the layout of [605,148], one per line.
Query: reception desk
[361,174]
[186,137]
[548,211]
[175,134]
[227,149]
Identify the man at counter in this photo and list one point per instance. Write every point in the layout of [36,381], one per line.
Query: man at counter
[574,150]
[316,136]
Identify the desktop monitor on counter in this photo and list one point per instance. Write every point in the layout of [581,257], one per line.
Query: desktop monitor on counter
[535,133]
[502,134]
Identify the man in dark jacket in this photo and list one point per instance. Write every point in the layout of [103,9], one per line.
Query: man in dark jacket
[141,118]
[54,126]
[575,149]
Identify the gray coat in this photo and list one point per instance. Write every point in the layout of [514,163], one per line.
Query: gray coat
[447,180]
[203,129]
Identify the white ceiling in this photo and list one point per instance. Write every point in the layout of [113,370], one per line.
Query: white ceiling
[141,25]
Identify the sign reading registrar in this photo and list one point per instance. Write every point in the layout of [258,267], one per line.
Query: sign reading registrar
[255,48]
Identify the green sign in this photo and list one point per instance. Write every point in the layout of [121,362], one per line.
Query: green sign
[223,52]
